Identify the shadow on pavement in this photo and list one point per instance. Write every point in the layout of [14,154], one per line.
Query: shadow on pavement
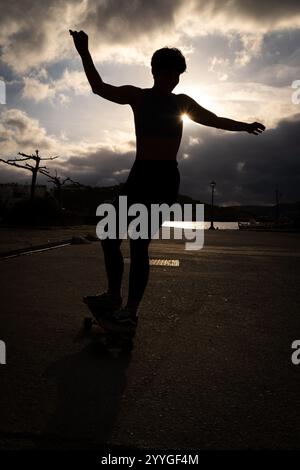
[89,388]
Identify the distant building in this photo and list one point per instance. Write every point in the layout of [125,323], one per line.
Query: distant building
[10,193]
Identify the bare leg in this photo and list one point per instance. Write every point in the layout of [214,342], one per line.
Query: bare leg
[139,272]
[114,265]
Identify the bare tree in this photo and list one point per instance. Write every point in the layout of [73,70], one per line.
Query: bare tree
[58,181]
[33,167]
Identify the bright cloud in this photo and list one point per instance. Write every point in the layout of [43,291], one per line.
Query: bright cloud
[19,132]
[51,90]
[95,163]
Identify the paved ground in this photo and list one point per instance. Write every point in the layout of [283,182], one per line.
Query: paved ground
[211,366]
[19,239]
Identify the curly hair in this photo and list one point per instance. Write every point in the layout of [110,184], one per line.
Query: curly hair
[168,59]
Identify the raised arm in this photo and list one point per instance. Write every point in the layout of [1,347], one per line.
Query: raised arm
[126,94]
[202,116]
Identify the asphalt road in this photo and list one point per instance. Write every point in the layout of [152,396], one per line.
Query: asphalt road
[211,367]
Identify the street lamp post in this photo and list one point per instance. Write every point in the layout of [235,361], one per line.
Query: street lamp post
[212,185]
[277,211]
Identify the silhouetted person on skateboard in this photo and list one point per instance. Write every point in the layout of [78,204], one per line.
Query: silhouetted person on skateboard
[154,177]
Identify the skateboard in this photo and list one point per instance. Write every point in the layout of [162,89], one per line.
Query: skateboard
[112,341]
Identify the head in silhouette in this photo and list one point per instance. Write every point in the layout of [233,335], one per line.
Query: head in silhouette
[167,65]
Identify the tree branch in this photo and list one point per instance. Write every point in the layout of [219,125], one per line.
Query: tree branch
[13,163]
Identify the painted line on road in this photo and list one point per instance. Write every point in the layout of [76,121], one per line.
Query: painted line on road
[174,263]
[32,252]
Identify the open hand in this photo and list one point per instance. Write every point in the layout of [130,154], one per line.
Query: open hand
[255,128]
[81,40]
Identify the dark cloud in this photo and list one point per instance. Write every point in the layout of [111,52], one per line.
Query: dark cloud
[120,20]
[123,21]
[34,32]
[27,31]
[245,167]
[261,11]
[278,63]
[41,35]
[101,168]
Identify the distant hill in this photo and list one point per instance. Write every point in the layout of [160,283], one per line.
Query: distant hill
[85,201]
[82,201]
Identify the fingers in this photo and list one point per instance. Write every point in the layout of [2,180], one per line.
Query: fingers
[76,32]
[73,33]
[257,128]
[260,126]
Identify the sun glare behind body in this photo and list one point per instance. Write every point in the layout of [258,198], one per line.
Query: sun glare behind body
[185,118]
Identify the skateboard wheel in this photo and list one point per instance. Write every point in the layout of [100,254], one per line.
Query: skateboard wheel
[88,323]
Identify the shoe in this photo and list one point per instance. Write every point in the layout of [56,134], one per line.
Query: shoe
[122,320]
[104,302]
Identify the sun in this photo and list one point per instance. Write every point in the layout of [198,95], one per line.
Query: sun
[185,118]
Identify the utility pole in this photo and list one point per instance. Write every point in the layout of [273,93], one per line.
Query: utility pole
[277,199]
[212,185]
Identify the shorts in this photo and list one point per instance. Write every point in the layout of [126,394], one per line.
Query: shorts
[152,181]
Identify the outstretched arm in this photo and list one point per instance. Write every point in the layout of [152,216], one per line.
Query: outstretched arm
[118,94]
[202,116]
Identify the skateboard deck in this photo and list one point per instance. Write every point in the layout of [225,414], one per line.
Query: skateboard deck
[113,341]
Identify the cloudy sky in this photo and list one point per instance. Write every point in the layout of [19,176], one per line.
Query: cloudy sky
[242,58]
